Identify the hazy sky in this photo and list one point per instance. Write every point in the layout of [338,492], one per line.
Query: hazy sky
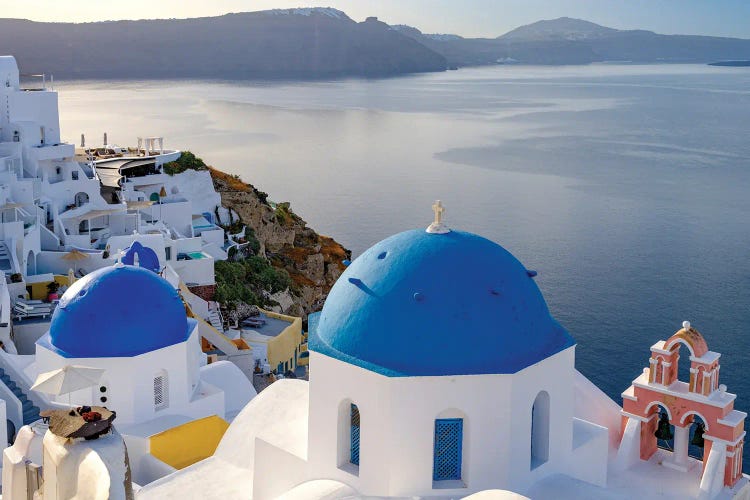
[464,17]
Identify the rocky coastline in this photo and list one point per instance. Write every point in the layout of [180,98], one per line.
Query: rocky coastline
[313,261]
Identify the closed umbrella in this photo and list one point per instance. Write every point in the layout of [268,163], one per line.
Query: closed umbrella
[67,379]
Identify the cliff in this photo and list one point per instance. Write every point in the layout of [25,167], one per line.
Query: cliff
[315,43]
[313,261]
[575,41]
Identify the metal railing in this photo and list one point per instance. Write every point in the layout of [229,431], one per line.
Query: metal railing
[37,77]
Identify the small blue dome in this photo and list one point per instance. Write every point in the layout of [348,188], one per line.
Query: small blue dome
[117,311]
[421,304]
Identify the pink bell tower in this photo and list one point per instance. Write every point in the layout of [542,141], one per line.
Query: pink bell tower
[658,386]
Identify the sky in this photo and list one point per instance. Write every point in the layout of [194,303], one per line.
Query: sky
[473,18]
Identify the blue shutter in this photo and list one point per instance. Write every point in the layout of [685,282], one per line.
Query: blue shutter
[448,440]
[354,425]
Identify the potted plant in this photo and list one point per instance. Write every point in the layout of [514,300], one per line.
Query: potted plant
[52,288]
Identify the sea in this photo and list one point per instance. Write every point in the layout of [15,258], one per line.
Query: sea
[626,187]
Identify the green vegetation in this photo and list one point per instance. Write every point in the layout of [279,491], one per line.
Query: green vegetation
[253,243]
[284,214]
[245,281]
[186,161]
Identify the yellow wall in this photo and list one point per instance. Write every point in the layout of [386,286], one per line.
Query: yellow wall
[39,290]
[188,443]
[281,348]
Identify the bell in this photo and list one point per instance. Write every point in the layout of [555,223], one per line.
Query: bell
[664,431]
[698,436]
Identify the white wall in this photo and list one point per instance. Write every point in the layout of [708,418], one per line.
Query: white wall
[130,382]
[40,107]
[395,411]
[177,215]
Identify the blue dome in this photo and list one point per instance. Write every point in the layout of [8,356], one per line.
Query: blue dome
[147,258]
[421,304]
[117,312]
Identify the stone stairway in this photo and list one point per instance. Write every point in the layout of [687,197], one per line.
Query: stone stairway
[30,411]
[6,262]
[214,317]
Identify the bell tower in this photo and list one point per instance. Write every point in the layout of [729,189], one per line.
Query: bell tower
[657,400]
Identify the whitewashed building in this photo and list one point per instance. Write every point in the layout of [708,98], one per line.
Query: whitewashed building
[131,323]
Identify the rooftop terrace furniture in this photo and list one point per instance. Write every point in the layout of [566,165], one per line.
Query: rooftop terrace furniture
[254,322]
[26,309]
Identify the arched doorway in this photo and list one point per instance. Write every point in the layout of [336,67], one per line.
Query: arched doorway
[81,199]
[30,264]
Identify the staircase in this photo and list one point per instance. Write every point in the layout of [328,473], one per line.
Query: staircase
[214,317]
[6,262]
[30,411]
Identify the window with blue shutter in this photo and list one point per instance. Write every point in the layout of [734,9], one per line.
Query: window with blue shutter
[449,434]
[354,426]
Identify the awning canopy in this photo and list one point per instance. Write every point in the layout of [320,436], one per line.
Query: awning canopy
[139,204]
[79,215]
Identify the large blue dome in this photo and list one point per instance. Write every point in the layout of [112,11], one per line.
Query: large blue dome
[421,304]
[117,312]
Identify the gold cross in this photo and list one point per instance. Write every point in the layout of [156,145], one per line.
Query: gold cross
[438,209]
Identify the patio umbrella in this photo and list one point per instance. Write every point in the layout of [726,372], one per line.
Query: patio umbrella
[75,255]
[67,379]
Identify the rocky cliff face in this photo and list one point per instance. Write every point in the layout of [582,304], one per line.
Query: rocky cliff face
[314,262]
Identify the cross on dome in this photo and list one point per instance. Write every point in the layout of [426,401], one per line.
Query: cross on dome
[120,254]
[437,226]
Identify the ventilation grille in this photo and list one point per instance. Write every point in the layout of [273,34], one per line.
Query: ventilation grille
[448,438]
[160,395]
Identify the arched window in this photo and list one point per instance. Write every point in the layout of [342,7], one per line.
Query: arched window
[448,449]
[161,390]
[354,435]
[540,430]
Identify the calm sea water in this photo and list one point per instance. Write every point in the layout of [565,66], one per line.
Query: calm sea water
[626,187]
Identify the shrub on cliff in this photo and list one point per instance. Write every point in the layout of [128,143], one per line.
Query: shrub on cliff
[186,161]
[249,280]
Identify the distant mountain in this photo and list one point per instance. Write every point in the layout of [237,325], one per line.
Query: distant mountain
[290,44]
[564,28]
[575,41]
[315,43]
